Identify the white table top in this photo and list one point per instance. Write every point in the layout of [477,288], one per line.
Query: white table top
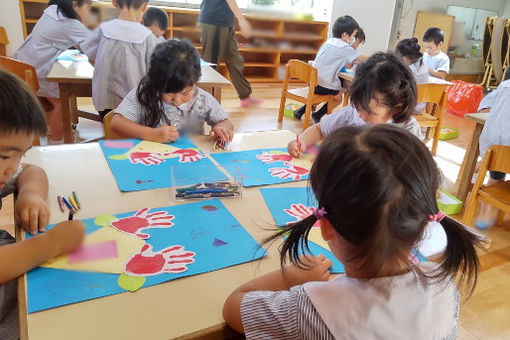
[479,117]
[166,310]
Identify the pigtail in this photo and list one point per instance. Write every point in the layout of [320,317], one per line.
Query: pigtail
[296,240]
[460,259]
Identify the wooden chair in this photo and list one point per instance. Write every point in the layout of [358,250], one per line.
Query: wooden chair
[23,70]
[434,94]
[497,158]
[297,69]
[4,41]
[108,133]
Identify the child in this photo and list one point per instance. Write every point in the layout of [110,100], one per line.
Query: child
[488,100]
[376,190]
[436,60]
[409,51]
[156,20]
[59,28]
[359,38]
[382,91]
[168,103]
[495,132]
[120,50]
[22,119]
[333,55]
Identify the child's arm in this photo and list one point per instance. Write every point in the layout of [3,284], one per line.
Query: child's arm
[438,74]
[130,129]
[224,130]
[244,25]
[360,59]
[284,279]
[18,258]
[310,136]
[31,209]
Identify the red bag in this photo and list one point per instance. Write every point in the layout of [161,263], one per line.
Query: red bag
[463,98]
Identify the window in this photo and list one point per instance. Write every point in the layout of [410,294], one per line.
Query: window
[283,4]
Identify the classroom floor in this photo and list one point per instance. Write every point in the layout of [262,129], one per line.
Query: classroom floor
[484,315]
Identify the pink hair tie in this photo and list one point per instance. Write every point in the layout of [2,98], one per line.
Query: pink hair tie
[320,213]
[437,217]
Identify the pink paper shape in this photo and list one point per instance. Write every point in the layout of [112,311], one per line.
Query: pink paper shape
[118,144]
[94,252]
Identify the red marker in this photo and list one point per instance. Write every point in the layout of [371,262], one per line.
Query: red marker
[60,203]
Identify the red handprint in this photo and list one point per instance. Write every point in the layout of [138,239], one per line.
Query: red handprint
[188,155]
[293,172]
[146,158]
[141,220]
[267,157]
[146,262]
[301,211]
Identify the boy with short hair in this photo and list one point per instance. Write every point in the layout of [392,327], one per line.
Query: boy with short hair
[156,20]
[333,55]
[21,120]
[359,38]
[436,60]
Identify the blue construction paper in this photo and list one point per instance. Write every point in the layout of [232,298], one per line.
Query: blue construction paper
[253,171]
[135,177]
[73,55]
[278,199]
[206,228]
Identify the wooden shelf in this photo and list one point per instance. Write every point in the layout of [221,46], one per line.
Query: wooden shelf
[192,29]
[36,1]
[258,49]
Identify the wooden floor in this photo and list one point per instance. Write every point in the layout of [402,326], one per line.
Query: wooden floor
[486,314]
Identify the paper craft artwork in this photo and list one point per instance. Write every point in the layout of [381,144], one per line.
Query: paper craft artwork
[191,245]
[94,252]
[267,166]
[142,165]
[141,220]
[289,205]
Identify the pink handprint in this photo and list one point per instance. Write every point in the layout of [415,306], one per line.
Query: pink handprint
[188,155]
[267,157]
[141,220]
[293,172]
[146,262]
[146,158]
[301,211]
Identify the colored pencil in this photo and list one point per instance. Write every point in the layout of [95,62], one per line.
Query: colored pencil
[73,203]
[60,203]
[71,214]
[67,203]
[298,143]
[75,196]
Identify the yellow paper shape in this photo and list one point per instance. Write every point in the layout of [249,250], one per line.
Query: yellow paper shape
[316,237]
[146,146]
[130,283]
[127,245]
[304,161]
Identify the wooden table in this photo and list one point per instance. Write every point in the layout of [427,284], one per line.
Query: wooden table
[75,80]
[188,306]
[467,168]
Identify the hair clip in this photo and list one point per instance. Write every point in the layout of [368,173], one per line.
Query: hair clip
[437,217]
[320,213]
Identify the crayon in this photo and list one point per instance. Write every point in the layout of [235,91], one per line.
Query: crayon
[73,203]
[75,196]
[60,203]
[67,203]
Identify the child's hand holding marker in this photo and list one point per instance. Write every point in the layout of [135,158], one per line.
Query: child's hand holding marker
[224,131]
[165,134]
[296,147]
[66,236]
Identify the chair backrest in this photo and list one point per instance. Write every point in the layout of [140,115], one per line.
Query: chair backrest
[302,71]
[499,158]
[431,93]
[4,41]
[108,133]
[23,70]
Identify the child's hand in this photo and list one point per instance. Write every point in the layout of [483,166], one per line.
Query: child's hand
[293,149]
[317,270]
[67,236]
[222,132]
[165,134]
[31,212]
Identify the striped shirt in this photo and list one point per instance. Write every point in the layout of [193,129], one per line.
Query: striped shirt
[188,117]
[121,52]
[349,116]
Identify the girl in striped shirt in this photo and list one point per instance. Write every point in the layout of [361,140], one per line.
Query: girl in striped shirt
[374,199]
[167,102]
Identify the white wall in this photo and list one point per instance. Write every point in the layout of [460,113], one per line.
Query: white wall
[374,16]
[506,11]
[11,20]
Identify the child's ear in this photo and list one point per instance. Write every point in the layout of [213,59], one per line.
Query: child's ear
[144,7]
[440,45]
[327,230]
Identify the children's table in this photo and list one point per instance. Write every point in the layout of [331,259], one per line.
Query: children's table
[75,80]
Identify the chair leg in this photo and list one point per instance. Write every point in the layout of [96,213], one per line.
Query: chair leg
[501,217]
[308,112]
[435,141]
[470,208]
[282,108]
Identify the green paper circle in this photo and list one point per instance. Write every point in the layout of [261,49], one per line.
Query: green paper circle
[130,283]
[104,220]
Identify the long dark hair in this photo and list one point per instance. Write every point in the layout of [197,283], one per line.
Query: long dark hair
[66,7]
[385,75]
[174,65]
[410,49]
[378,186]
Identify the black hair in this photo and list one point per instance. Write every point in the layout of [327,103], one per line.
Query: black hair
[383,74]
[360,35]
[155,15]
[378,187]
[434,35]
[136,4]
[507,74]
[345,24]
[410,49]
[174,65]
[20,110]
[65,7]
